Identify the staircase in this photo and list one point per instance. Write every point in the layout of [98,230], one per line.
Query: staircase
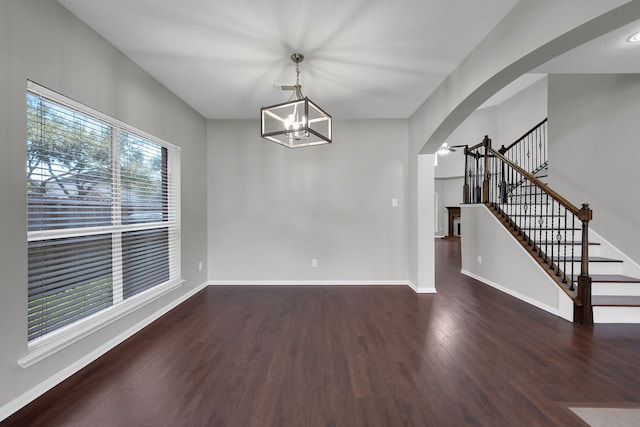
[603,283]
[615,282]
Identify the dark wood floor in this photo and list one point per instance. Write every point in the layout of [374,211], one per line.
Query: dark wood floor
[351,356]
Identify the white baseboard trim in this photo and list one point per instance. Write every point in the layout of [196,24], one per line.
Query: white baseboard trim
[418,290]
[514,294]
[308,283]
[323,283]
[46,385]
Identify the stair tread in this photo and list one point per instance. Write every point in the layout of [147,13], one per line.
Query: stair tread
[611,278]
[615,300]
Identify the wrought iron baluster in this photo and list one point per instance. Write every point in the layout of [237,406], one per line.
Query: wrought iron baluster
[535,148]
[564,269]
[554,250]
[535,215]
[546,231]
[477,178]
[573,245]
[543,130]
[531,218]
[528,159]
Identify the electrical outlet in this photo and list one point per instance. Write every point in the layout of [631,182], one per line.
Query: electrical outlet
[314,262]
[479,259]
[394,203]
[200,266]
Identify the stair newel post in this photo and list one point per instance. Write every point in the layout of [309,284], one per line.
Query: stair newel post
[485,181]
[503,179]
[465,188]
[584,280]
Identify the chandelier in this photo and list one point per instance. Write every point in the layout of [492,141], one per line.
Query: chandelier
[298,122]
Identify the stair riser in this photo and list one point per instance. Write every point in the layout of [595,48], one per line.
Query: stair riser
[615,289]
[616,314]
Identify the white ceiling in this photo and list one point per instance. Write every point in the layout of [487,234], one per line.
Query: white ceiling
[363,58]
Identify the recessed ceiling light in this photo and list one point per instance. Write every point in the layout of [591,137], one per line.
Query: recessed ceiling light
[634,38]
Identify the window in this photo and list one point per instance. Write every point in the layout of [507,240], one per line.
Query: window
[102,213]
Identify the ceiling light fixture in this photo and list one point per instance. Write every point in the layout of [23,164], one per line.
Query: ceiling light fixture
[634,38]
[298,122]
[445,149]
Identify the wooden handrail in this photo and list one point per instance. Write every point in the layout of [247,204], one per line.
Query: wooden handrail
[468,150]
[564,202]
[504,149]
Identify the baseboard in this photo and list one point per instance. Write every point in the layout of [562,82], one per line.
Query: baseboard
[27,397]
[323,283]
[515,294]
[308,283]
[418,290]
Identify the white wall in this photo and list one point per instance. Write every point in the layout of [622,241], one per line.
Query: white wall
[43,42]
[594,150]
[271,210]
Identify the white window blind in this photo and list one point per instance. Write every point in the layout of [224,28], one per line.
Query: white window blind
[102,212]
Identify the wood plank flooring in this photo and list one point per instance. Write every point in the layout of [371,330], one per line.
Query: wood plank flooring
[351,356]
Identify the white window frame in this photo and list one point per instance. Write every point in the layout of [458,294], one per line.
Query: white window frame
[42,347]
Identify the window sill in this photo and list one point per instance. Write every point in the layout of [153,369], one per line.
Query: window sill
[64,337]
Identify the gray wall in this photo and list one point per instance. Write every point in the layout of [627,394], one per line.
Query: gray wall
[504,123]
[450,169]
[470,132]
[594,150]
[490,254]
[271,209]
[43,42]
[521,112]
[449,191]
